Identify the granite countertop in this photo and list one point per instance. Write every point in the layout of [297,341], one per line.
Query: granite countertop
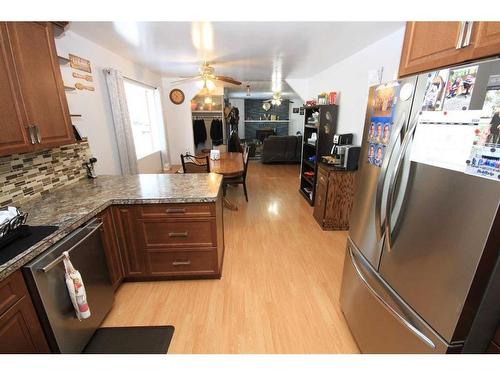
[71,206]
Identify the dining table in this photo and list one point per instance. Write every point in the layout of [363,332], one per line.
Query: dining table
[230,164]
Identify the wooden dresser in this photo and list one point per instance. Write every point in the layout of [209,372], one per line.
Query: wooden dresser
[334,197]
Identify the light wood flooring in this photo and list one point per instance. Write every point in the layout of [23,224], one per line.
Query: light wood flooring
[280,283]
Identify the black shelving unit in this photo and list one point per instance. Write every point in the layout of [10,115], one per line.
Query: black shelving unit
[325,129]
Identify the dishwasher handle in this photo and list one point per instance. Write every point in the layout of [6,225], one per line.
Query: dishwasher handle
[52,264]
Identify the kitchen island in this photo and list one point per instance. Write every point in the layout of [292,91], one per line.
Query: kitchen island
[152,218]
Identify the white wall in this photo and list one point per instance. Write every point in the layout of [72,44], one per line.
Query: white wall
[97,122]
[178,119]
[350,78]
[240,104]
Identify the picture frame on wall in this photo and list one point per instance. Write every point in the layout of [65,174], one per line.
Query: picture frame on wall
[295,110]
[301,110]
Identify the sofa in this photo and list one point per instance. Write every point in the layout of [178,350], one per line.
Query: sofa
[282,149]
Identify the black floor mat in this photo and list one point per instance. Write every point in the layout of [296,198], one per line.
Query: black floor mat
[130,340]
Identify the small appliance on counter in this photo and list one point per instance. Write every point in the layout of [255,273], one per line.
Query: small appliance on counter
[343,154]
[90,168]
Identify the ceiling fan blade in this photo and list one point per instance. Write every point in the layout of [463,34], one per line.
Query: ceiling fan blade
[185,80]
[228,80]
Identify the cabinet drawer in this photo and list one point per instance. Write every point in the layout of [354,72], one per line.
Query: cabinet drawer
[179,233]
[177,210]
[12,289]
[182,263]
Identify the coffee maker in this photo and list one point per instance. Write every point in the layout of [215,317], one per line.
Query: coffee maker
[337,151]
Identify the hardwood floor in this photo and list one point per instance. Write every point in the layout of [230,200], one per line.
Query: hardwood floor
[280,283]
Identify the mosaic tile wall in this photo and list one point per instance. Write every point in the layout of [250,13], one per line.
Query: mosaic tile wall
[30,175]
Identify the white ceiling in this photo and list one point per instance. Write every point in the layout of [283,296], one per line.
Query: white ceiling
[246,51]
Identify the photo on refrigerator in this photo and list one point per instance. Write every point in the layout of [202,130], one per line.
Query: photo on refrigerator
[459,88]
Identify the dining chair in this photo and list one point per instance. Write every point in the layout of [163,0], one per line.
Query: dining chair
[195,164]
[241,179]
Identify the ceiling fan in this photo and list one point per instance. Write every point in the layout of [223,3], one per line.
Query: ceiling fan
[207,77]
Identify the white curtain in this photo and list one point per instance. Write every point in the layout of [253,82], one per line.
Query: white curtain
[121,120]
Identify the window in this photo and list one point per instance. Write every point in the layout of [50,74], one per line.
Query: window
[143,112]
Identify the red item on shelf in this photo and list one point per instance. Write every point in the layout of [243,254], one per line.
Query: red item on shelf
[332,97]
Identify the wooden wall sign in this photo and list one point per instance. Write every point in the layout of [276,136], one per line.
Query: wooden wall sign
[79,63]
[81,86]
[86,77]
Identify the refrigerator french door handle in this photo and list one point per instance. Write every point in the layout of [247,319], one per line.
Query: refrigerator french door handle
[392,183]
[379,226]
[388,307]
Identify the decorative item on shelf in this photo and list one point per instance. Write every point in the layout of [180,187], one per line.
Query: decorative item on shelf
[312,139]
[79,63]
[266,106]
[81,86]
[310,103]
[86,77]
[332,97]
[322,98]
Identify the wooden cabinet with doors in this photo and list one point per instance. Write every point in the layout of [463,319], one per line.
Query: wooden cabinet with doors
[126,231]
[433,45]
[168,241]
[13,135]
[20,330]
[34,107]
[334,198]
[111,248]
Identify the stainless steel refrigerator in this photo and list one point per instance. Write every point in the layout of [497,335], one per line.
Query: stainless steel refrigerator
[423,237]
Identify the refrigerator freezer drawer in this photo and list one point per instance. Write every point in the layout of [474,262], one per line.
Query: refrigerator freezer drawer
[379,320]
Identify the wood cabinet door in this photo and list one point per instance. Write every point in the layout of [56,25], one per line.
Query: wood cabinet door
[20,330]
[39,75]
[320,199]
[431,45]
[111,248]
[486,39]
[131,252]
[13,135]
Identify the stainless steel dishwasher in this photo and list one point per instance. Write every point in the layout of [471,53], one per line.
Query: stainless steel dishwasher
[45,278]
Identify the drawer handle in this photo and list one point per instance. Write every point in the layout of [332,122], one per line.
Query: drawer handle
[176,210]
[178,234]
[181,262]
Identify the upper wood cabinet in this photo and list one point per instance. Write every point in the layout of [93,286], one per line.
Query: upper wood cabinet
[487,39]
[13,136]
[34,107]
[432,45]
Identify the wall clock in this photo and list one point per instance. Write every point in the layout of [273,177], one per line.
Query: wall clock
[176,96]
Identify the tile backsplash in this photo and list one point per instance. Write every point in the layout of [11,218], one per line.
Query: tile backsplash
[30,175]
